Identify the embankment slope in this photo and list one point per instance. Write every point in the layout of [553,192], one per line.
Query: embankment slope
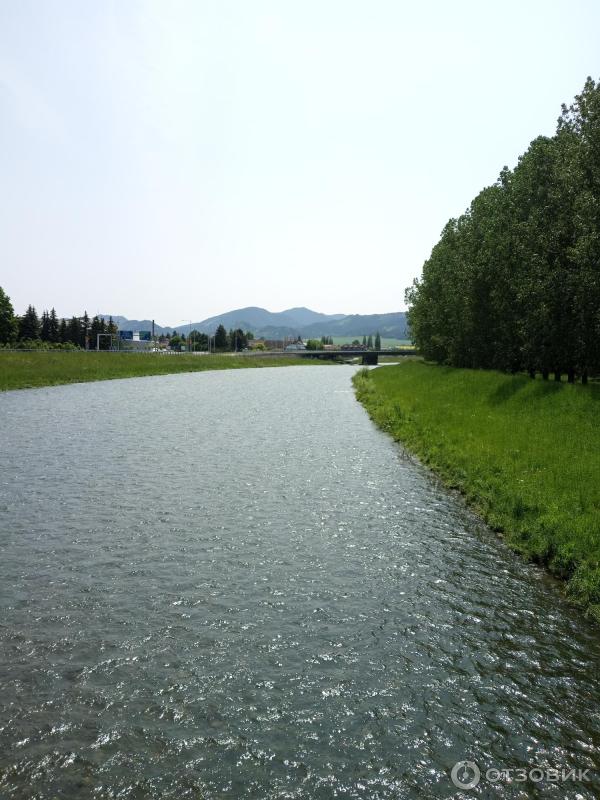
[525,454]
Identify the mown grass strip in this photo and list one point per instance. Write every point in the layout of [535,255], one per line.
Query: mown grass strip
[25,370]
[525,453]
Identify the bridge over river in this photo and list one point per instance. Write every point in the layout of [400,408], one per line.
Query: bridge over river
[369,357]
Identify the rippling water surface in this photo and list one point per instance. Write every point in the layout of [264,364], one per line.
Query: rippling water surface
[230,584]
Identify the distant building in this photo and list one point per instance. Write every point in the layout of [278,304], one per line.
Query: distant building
[295,346]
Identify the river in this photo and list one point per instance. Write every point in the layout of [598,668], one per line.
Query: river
[232,585]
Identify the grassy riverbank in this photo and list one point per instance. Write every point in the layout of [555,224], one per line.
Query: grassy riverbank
[526,455]
[24,370]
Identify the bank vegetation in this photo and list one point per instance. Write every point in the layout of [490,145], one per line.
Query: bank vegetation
[514,283]
[23,370]
[524,453]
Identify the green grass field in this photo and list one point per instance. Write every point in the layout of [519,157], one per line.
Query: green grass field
[24,370]
[526,455]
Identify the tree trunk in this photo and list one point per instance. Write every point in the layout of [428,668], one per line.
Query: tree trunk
[545,374]
[571,375]
[531,372]
[584,377]
[557,376]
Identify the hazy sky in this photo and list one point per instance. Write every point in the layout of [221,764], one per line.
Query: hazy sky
[177,159]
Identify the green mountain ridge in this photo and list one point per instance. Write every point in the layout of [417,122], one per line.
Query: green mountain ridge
[291,322]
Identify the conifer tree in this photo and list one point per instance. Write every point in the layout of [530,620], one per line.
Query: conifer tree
[29,324]
[63,334]
[73,331]
[53,333]
[45,327]
[221,338]
[98,326]
[84,330]
[8,324]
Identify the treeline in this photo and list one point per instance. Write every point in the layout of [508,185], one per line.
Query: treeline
[33,331]
[514,283]
[222,340]
[318,344]
[234,341]
[367,342]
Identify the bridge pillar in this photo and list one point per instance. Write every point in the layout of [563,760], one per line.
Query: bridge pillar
[370,359]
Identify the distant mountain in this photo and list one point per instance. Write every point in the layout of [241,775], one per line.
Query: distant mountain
[392,326]
[126,324]
[291,322]
[251,318]
[257,319]
[304,316]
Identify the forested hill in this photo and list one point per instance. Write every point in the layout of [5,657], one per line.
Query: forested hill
[388,325]
[514,283]
[292,322]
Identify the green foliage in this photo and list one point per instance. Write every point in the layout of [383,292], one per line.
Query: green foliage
[73,331]
[29,324]
[198,342]
[84,331]
[363,384]
[38,344]
[45,327]
[514,283]
[238,340]
[98,327]
[234,341]
[386,342]
[221,340]
[526,455]
[8,323]
[313,344]
[29,369]
[53,327]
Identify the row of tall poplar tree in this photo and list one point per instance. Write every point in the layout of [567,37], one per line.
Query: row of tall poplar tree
[514,283]
[33,330]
